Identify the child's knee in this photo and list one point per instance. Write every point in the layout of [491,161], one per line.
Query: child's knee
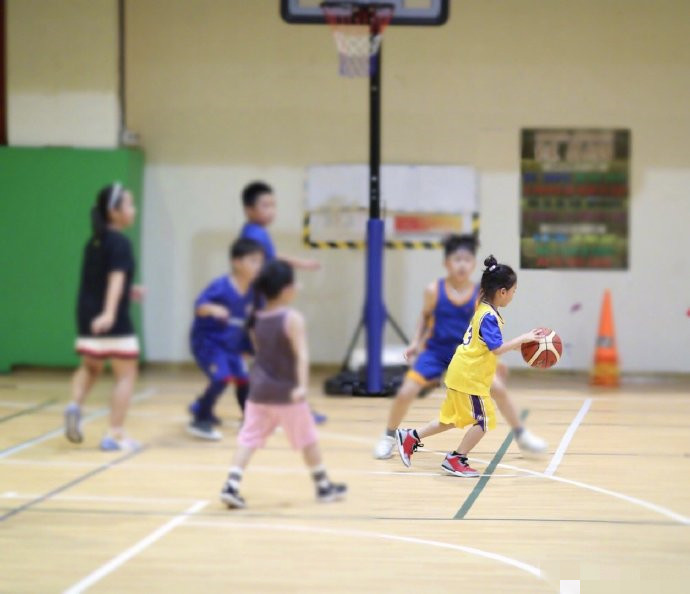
[93,367]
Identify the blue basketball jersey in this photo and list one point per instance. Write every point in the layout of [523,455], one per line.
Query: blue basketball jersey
[229,334]
[449,321]
[259,233]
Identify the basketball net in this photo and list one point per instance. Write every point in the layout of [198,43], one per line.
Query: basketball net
[358,32]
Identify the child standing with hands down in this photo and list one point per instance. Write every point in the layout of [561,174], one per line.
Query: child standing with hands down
[278,386]
[471,372]
[104,324]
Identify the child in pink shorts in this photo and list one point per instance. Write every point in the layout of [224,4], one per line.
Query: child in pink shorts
[278,386]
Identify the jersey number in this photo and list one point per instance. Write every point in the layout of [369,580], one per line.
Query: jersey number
[468,336]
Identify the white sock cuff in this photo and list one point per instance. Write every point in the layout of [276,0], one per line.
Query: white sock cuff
[236,470]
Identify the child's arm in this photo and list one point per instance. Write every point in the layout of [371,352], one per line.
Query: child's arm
[206,306]
[113,294]
[511,345]
[423,324]
[297,333]
[214,310]
[301,263]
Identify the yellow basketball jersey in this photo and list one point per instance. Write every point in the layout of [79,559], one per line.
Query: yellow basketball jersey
[473,365]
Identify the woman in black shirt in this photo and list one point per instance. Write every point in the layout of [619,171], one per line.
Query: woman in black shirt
[105,329]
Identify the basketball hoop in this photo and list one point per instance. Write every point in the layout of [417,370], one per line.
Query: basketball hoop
[358,31]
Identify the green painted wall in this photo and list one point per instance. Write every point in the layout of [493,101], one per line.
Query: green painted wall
[46,196]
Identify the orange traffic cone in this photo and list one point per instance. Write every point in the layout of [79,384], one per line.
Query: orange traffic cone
[606,372]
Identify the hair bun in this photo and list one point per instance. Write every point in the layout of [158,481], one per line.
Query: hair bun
[490,261]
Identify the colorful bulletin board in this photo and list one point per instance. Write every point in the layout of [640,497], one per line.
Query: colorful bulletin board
[574,198]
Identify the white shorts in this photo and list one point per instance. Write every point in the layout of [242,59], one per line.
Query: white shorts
[106,347]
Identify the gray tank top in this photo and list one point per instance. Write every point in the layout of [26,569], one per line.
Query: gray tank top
[273,375]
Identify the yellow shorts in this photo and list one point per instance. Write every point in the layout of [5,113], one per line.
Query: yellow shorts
[462,409]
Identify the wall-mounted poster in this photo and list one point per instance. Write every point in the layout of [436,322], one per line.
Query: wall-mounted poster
[574,198]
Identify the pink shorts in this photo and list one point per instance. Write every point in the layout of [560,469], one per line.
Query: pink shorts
[260,420]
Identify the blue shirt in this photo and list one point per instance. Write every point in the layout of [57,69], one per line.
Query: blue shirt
[449,322]
[259,233]
[231,334]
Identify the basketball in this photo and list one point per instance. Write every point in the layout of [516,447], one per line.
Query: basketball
[545,352]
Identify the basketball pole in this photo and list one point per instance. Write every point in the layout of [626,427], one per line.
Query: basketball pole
[374,308]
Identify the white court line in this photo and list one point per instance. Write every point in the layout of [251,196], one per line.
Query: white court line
[98,498]
[134,550]
[17,404]
[567,437]
[101,412]
[664,511]
[531,569]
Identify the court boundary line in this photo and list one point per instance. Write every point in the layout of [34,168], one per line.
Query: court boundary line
[29,410]
[567,438]
[526,567]
[135,549]
[664,511]
[488,471]
[75,481]
[97,414]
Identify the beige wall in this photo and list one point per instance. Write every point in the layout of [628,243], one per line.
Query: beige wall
[62,72]
[218,81]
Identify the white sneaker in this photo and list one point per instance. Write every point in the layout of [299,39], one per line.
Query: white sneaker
[204,430]
[530,443]
[384,448]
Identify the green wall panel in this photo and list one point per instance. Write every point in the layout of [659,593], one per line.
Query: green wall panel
[46,196]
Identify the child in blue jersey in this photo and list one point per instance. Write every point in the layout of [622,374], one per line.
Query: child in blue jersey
[219,338]
[259,205]
[449,304]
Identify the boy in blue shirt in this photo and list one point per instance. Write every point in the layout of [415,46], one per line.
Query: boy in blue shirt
[219,337]
[260,209]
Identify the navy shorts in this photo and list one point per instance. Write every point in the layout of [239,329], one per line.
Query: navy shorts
[220,365]
[429,367]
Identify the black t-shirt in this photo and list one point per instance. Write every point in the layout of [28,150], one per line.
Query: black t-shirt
[102,255]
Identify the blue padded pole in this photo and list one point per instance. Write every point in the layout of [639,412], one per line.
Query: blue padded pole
[374,309]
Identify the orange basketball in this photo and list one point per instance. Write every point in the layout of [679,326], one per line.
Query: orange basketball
[545,352]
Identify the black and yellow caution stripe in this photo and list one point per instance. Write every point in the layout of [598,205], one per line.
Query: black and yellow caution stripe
[394,244]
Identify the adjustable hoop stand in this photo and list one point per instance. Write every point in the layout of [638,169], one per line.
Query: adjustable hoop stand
[375,382]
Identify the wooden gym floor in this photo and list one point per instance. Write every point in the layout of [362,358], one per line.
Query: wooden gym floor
[609,506]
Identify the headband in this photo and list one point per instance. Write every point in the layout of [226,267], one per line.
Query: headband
[115,194]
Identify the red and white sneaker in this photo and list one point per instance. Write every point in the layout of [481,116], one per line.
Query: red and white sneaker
[407,444]
[457,466]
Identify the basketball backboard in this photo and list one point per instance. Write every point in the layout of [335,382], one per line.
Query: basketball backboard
[405,12]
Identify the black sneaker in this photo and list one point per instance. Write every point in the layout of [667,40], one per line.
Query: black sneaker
[332,492]
[193,409]
[204,430]
[231,497]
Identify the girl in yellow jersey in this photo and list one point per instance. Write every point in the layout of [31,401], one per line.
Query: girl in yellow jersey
[470,373]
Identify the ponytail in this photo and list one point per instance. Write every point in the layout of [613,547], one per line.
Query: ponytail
[107,199]
[256,306]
